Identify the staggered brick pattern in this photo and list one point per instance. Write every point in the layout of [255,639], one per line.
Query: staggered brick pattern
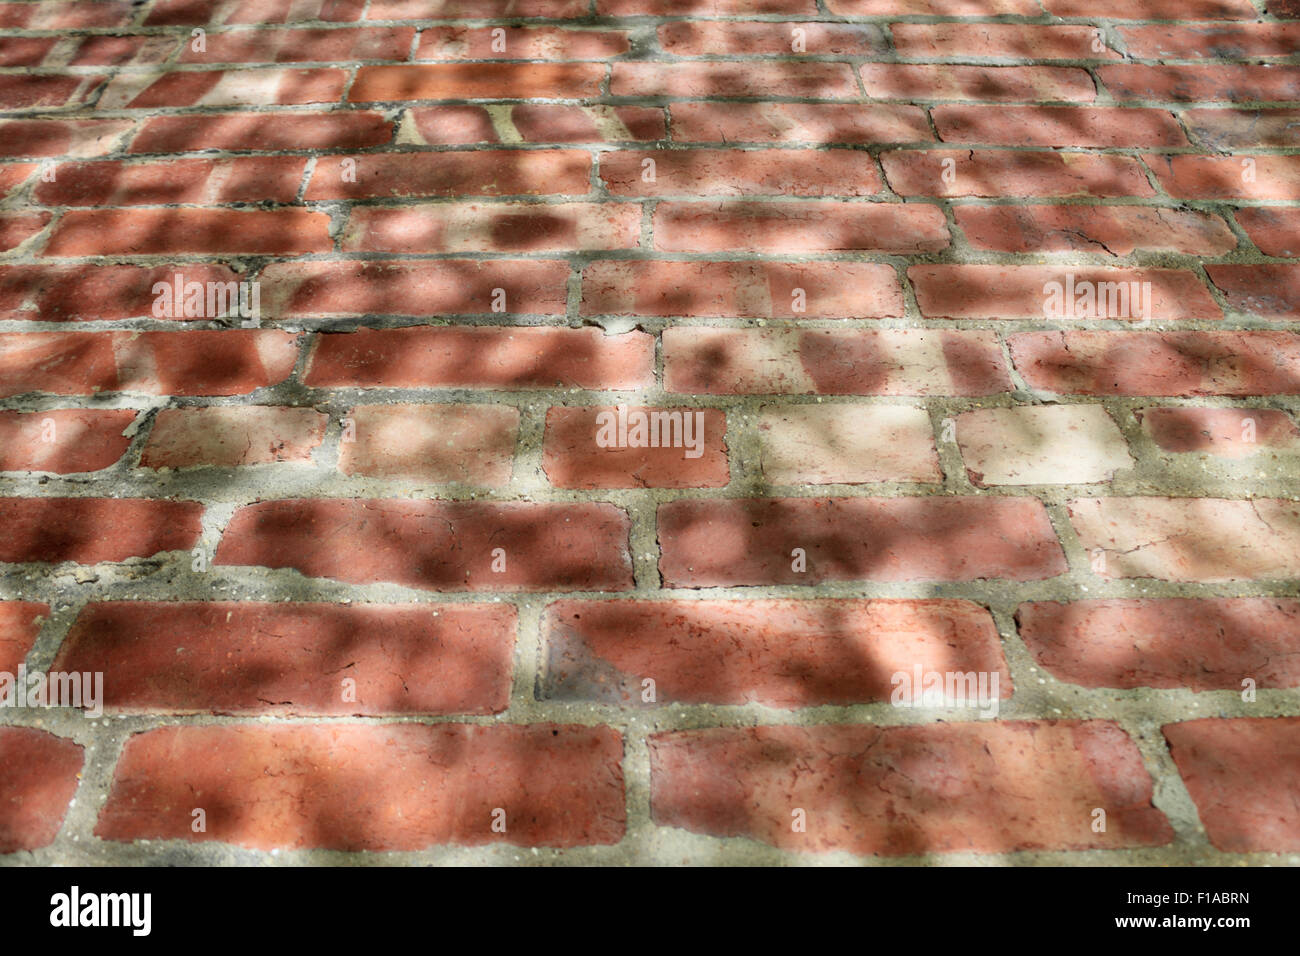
[971,326]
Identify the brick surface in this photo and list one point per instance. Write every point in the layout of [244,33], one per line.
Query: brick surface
[503,253]
[914,790]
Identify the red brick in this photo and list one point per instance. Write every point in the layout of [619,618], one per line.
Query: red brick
[440,287]
[505,172]
[1217,41]
[1219,431]
[370,787]
[12,177]
[556,123]
[812,80]
[25,51]
[1158,363]
[857,362]
[436,545]
[799,123]
[449,125]
[1234,83]
[124,50]
[302,46]
[197,181]
[39,782]
[465,81]
[896,791]
[1274,229]
[229,436]
[1094,126]
[477,9]
[1200,644]
[480,227]
[1008,292]
[655,8]
[1223,177]
[20,622]
[723,172]
[482,358]
[20,91]
[933,8]
[104,232]
[521,43]
[353,129]
[784,654]
[1153,9]
[224,657]
[440,444]
[1113,230]
[695,38]
[233,362]
[63,441]
[766,290]
[999,173]
[573,457]
[1191,539]
[234,88]
[65,14]
[1223,130]
[902,81]
[50,293]
[799,228]
[17,229]
[58,137]
[1243,775]
[1016,41]
[846,444]
[1272,291]
[725,543]
[202,12]
[91,530]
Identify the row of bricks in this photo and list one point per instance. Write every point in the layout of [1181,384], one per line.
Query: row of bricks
[924,41]
[890,791]
[103,14]
[1175,83]
[702,542]
[295,660]
[798,444]
[938,173]
[1102,127]
[905,362]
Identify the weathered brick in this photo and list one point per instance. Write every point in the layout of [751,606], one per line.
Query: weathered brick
[436,545]
[40,779]
[302,46]
[139,232]
[495,227]
[457,9]
[799,123]
[29,91]
[1153,9]
[91,530]
[1243,775]
[61,293]
[230,12]
[1274,229]
[1186,83]
[721,172]
[1217,41]
[195,181]
[1197,643]
[370,787]
[65,14]
[1221,432]
[1191,539]
[894,791]
[238,657]
[760,289]
[519,43]
[234,88]
[229,436]
[584,448]
[784,654]
[1222,129]
[441,444]
[1158,363]
[20,622]
[1272,291]
[1040,445]
[484,173]
[1113,230]
[810,80]
[1017,41]
[846,444]
[483,358]
[80,138]
[63,440]
[1227,177]
[457,81]
[992,84]
[704,38]
[1094,126]
[729,542]
[798,228]
[353,129]
[857,362]
[998,172]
